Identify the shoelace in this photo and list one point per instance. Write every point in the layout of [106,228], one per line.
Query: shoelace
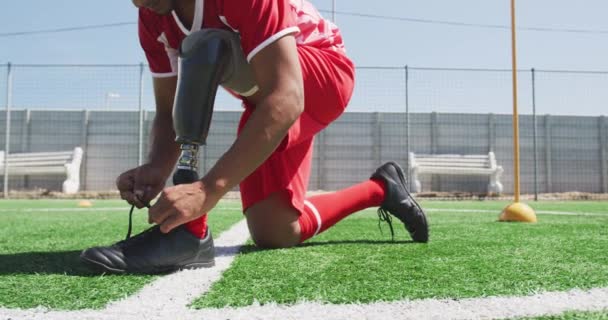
[385,216]
[131,221]
[140,237]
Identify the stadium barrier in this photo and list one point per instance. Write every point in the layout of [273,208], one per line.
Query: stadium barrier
[109,110]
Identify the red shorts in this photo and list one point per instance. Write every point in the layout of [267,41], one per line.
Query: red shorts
[328,85]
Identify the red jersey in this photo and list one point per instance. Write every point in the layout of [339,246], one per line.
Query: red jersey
[259,23]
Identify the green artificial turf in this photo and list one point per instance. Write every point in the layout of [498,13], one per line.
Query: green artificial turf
[469,255]
[53,204]
[574,315]
[595,207]
[39,251]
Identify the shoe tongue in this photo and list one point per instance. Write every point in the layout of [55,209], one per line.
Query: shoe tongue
[139,237]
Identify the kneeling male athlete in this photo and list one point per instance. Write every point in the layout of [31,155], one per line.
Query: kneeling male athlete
[302,81]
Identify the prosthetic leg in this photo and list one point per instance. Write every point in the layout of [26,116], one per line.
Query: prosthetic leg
[208,58]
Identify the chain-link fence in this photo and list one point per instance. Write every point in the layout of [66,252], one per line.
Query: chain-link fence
[108,112]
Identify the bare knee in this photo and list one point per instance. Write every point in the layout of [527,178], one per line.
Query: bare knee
[275,239]
[273,223]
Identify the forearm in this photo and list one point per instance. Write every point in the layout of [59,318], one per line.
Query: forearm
[260,136]
[164,151]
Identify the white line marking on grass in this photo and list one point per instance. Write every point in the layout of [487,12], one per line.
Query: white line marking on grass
[449,309]
[125,209]
[565,213]
[169,297]
[549,303]
[174,292]
[165,298]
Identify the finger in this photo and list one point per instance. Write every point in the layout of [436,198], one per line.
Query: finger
[159,211]
[172,222]
[149,195]
[139,195]
[125,182]
[143,187]
[139,188]
[131,199]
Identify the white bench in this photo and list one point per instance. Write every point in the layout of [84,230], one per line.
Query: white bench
[42,163]
[453,164]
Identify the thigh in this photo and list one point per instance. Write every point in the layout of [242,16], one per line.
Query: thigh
[328,82]
[286,172]
[328,79]
[273,196]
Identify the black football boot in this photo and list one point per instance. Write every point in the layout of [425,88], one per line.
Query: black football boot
[153,252]
[400,203]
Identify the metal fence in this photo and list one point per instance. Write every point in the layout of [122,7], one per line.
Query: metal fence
[108,111]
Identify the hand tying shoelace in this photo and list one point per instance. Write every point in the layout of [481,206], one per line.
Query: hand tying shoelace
[131,220]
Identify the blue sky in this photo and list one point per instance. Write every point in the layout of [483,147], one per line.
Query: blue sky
[370,42]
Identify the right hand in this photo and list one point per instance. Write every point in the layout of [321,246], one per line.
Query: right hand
[140,185]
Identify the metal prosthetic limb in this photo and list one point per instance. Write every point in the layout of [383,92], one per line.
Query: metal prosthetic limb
[208,58]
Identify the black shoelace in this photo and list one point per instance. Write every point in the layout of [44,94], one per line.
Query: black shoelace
[384,215]
[131,221]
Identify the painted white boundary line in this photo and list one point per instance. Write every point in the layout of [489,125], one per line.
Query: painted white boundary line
[564,213]
[169,296]
[549,303]
[166,298]
[172,293]
[476,308]
[126,209]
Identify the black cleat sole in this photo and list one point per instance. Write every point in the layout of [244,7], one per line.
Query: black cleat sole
[102,268]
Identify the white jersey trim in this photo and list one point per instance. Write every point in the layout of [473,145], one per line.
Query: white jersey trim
[270,40]
[197,22]
[224,21]
[163,74]
[172,54]
[179,23]
[250,92]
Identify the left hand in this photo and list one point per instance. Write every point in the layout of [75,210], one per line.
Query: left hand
[181,204]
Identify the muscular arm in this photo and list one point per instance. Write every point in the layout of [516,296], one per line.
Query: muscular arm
[140,185]
[279,102]
[164,151]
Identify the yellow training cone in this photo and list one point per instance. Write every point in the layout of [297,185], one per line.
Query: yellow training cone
[85,204]
[517,212]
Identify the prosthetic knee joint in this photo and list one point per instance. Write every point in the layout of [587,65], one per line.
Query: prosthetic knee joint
[207,59]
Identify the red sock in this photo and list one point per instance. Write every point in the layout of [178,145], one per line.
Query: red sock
[198,227]
[330,208]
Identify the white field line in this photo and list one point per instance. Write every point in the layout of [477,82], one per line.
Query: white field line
[565,213]
[549,303]
[126,209]
[449,309]
[169,296]
[172,293]
[165,298]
